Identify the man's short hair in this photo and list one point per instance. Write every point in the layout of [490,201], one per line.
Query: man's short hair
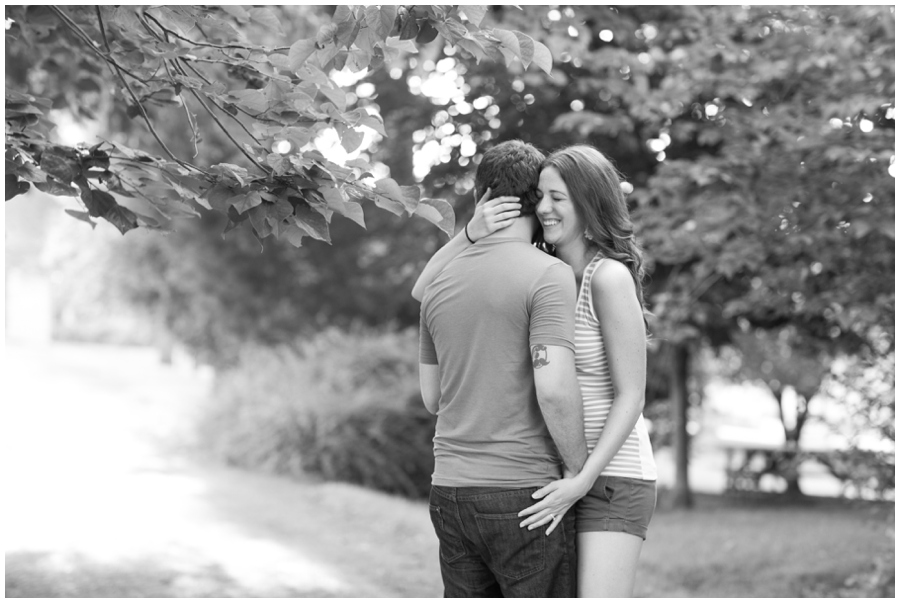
[511,168]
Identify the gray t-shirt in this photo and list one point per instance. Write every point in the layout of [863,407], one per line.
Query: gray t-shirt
[479,319]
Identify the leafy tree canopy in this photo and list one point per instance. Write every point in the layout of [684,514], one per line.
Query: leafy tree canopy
[172,64]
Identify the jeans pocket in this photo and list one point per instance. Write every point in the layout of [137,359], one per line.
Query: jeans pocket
[515,552]
[451,546]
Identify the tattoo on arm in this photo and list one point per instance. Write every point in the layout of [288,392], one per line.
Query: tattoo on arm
[539,356]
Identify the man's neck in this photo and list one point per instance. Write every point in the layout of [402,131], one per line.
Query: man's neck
[522,229]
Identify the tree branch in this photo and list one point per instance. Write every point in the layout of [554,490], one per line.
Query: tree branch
[175,65]
[217,105]
[80,33]
[195,130]
[227,132]
[131,92]
[194,42]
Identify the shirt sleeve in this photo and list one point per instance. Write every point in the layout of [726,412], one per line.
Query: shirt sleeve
[553,308]
[427,352]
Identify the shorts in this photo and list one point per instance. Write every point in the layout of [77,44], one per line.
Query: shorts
[617,504]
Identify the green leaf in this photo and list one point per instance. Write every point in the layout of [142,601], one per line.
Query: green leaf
[83,216]
[350,138]
[219,195]
[509,43]
[122,218]
[280,61]
[278,211]
[65,169]
[453,31]
[427,33]
[55,187]
[374,122]
[299,52]
[234,171]
[313,75]
[266,18]
[357,60]
[337,202]
[365,41]
[236,11]
[542,57]
[390,195]
[402,45]
[29,172]
[97,202]
[277,162]
[312,222]
[473,48]
[526,48]
[179,20]
[474,13]
[126,18]
[342,14]
[189,187]
[261,225]
[252,100]
[15,187]
[325,55]
[337,96]
[380,19]
[245,201]
[439,212]
[410,29]
[101,204]
[293,234]
[326,34]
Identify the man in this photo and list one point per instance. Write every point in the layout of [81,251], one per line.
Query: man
[507,419]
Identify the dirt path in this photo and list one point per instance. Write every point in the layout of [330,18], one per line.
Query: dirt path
[102,501]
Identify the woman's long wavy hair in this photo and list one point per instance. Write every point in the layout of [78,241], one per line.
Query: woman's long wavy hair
[595,189]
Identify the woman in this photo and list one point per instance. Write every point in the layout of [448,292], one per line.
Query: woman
[585,223]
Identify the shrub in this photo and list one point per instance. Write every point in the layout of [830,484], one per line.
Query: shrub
[342,405]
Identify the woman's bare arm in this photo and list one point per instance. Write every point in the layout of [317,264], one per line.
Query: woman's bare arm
[490,216]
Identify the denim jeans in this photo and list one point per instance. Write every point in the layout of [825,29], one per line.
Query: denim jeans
[484,552]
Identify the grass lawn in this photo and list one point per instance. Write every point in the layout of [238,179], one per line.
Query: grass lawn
[377,545]
[765,547]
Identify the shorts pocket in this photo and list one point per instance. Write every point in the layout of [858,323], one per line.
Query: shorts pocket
[515,552]
[451,546]
[609,490]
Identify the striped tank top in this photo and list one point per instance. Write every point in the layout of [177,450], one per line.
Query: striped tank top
[635,458]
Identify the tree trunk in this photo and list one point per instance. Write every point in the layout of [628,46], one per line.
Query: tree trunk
[790,461]
[678,375]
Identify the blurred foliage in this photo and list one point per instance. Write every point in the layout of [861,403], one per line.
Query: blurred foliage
[758,141]
[217,295]
[342,405]
[779,359]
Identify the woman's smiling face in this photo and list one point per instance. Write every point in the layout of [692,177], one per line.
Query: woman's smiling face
[556,211]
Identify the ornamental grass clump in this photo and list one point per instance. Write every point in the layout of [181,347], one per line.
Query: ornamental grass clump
[343,405]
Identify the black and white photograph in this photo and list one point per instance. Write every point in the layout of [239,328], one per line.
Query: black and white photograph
[438,301]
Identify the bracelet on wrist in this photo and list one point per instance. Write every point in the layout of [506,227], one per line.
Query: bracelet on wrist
[466,230]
